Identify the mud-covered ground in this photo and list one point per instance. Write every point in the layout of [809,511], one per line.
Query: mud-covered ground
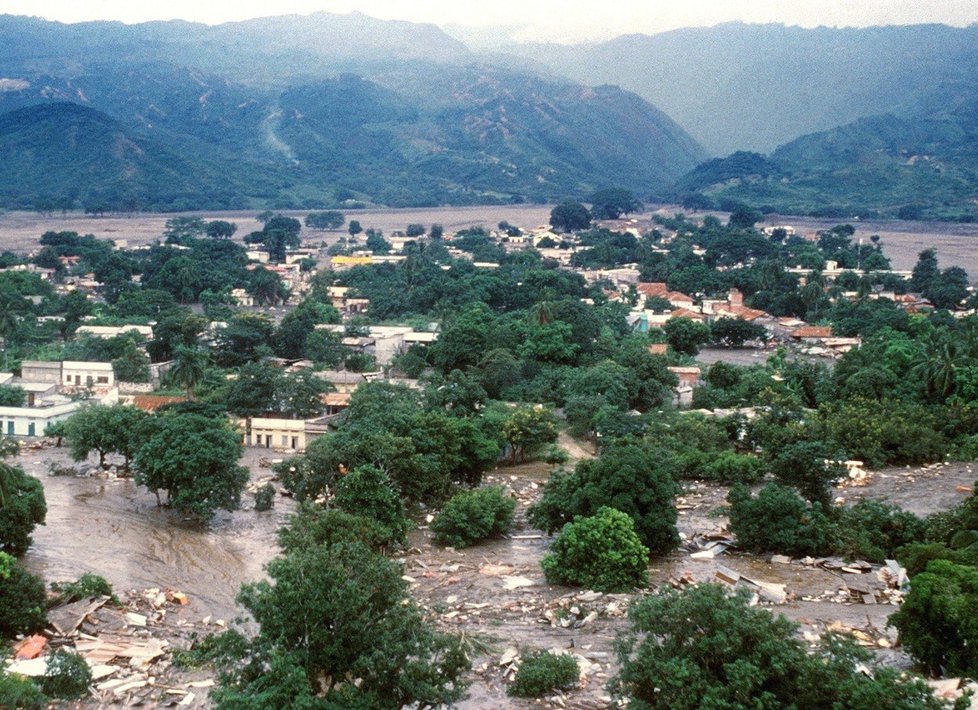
[902,241]
[494,593]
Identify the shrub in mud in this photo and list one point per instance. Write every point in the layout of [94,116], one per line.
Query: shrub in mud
[702,647]
[22,599]
[265,498]
[873,530]
[543,672]
[472,516]
[85,587]
[67,677]
[602,552]
[937,621]
[19,692]
[777,519]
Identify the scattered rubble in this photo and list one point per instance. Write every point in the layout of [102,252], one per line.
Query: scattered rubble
[766,591]
[128,647]
[706,546]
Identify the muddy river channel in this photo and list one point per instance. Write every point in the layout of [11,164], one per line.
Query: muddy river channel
[494,594]
[112,527]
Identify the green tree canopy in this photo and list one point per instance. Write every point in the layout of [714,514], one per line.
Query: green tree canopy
[331,219]
[194,459]
[570,217]
[629,477]
[703,648]
[613,202]
[341,613]
[22,508]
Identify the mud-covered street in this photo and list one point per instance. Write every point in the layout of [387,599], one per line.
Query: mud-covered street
[494,593]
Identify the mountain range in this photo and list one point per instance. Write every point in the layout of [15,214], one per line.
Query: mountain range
[324,109]
[306,112]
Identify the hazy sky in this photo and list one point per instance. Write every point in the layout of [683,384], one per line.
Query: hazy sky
[564,20]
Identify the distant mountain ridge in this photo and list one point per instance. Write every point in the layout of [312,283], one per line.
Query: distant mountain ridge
[924,166]
[738,86]
[297,111]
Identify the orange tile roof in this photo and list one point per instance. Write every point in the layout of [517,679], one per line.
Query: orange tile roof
[152,402]
[686,313]
[652,288]
[812,331]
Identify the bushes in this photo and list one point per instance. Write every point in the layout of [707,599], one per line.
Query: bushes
[915,557]
[632,478]
[602,552]
[472,516]
[67,677]
[21,693]
[779,520]
[85,587]
[22,599]
[730,467]
[808,466]
[872,530]
[265,498]
[311,527]
[702,648]
[367,491]
[543,672]
[937,623]
[884,432]
[22,507]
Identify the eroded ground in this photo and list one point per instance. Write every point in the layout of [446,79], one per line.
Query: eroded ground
[495,593]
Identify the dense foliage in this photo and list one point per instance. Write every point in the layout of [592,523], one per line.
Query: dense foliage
[367,491]
[423,450]
[22,599]
[472,516]
[67,676]
[542,672]
[601,552]
[630,478]
[339,612]
[702,648]
[194,460]
[22,507]
[936,621]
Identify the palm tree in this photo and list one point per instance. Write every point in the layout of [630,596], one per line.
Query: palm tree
[936,365]
[188,368]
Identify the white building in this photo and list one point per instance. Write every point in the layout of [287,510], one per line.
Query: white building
[87,374]
[111,331]
[32,421]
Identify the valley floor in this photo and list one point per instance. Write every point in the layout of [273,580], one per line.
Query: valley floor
[494,593]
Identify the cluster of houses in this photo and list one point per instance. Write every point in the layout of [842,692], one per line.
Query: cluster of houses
[55,390]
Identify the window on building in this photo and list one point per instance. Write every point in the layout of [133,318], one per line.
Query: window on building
[103,380]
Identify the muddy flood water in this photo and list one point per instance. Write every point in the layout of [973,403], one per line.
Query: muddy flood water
[112,527]
[494,594]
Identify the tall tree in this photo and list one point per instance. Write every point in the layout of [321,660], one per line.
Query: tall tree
[570,217]
[194,460]
[187,370]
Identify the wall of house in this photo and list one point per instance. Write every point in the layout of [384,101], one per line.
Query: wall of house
[83,374]
[41,371]
[268,433]
[32,421]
